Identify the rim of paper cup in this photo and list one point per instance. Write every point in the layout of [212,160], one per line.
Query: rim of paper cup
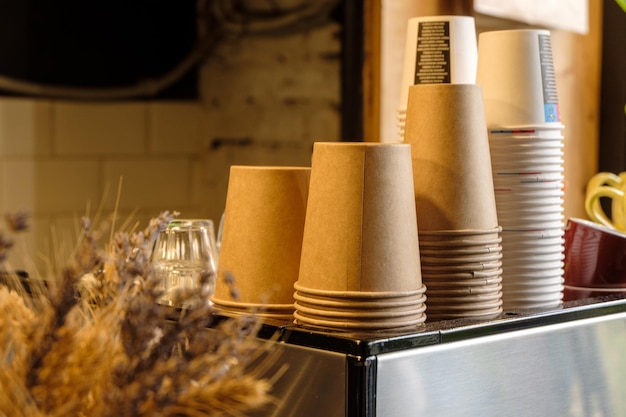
[529,251]
[525,186]
[531,165]
[470,306]
[444,285]
[540,213]
[458,243]
[456,282]
[521,268]
[469,267]
[529,217]
[547,233]
[529,194]
[456,299]
[441,18]
[453,252]
[557,232]
[512,257]
[547,277]
[518,143]
[531,126]
[532,199]
[272,316]
[461,276]
[507,151]
[526,176]
[510,169]
[455,260]
[249,306]
[391,330]
[536,282]
[550,275]
[362,320]
[430,258]
[477,315]
[358,294]
[464,308]
[360,314]
[510,191]
[528,224]
[522,141]
[522,138]
[511,304]
[359,325]
[551,161]
[465,290]
[533,289]
[349,304]
[541,204]
[538,285]
[460,279]
[541,237]
[522,150]
[514,154]
[543,245]
[460,232]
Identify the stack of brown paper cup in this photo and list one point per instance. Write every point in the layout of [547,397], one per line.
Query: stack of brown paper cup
[261,240]
[360,266]
[516,72]
[459,234]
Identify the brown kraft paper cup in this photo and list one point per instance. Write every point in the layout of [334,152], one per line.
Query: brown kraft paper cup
[450,154]
[360,232]
[262,233]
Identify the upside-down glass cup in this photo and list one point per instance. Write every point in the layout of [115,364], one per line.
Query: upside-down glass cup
[185,258]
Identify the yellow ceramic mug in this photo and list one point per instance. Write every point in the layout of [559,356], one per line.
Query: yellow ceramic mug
[613,187]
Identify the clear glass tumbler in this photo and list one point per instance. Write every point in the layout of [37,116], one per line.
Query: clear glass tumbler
[185,257]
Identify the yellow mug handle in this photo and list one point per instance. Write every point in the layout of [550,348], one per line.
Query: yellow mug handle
[618,215]
[594,208]
[606,178]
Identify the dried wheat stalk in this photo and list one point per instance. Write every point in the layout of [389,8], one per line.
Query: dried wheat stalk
[96,343]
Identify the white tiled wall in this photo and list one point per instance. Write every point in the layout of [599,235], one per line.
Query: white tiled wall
[264,101]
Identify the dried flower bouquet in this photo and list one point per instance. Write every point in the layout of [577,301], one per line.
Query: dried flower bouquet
[94,341]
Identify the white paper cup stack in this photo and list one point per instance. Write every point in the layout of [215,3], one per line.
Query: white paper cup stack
[261,240]
[516,72]
[459,235]
[438,50]
[360,266]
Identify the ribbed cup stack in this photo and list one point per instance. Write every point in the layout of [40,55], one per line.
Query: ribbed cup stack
[261,241]
[460,245]
[360,266]
[516,72]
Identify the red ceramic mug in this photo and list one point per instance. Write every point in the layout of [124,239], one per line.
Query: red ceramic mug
[595,256]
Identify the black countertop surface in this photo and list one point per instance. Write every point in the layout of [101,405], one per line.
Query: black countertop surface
[364,344]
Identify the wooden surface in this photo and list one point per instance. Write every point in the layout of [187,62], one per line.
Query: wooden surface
[577,64]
